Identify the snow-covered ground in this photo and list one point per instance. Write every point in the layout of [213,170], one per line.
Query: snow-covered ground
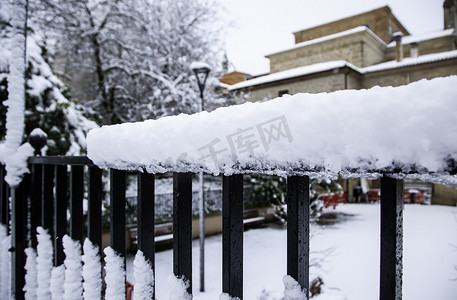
[351,270]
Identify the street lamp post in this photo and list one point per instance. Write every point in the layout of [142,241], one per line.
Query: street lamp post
[201,71]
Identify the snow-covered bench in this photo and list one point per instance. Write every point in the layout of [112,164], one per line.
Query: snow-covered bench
[164,232]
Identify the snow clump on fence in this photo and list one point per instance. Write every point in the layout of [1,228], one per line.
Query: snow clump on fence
[115,275]
[144,277]
[91,271]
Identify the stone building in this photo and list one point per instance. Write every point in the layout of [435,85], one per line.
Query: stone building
[359,52]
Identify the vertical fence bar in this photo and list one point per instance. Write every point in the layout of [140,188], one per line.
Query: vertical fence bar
[232,235]
[18,237]
[117,212]
[94,214]
[76,202]
[117,209]
[47,196]
[145,212]
[182,227]
[201,213]
[60,213]
[35,202]
[4,207]
[298,230]
[391,239]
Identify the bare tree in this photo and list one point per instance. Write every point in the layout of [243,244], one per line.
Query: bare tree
[129,60]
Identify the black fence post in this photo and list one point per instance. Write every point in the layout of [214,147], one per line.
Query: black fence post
[182,227]
[4,203]
[117,209]
[18,237]
[47,199]
[232,235]
[298,230]
[94,214]
[391,239]
[76,202]
[35,202]
[60,213]
[145,212]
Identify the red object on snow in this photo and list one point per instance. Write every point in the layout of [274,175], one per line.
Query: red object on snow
[129,290]
[373,195]
[409,196]
[332,199]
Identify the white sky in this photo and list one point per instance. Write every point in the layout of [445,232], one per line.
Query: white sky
[261,27]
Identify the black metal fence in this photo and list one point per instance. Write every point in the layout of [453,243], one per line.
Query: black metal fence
[58,183]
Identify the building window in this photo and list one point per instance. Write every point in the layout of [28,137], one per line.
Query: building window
[283,92]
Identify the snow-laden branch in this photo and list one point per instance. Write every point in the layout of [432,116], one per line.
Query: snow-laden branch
[124,46]
[151,56]
[158,77]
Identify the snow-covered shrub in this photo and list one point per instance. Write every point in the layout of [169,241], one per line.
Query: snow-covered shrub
[271,191]
[46,102]
[225,296]
[73,269]
[293,290]
[91,273]
[44,264]
[115,275]
[31,286]
[270,295]
[144,277]
[178,288]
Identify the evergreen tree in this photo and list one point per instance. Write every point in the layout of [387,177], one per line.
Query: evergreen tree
[272,191]
[47,106]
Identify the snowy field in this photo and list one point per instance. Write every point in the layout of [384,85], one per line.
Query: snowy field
[350,248]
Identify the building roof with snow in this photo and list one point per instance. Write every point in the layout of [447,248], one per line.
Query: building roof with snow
[358,52]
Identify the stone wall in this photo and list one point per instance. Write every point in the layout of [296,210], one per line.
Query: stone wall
[360,49]
[444,195]
[406,75]
[442,44]
[324,82]
[381,21]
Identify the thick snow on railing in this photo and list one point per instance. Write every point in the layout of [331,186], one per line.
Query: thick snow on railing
[407,129]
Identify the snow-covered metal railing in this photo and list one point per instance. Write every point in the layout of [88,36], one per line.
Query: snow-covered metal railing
[387,133]
[40,204]
[415,134]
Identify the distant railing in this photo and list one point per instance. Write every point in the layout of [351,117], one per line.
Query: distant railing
[213,202]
